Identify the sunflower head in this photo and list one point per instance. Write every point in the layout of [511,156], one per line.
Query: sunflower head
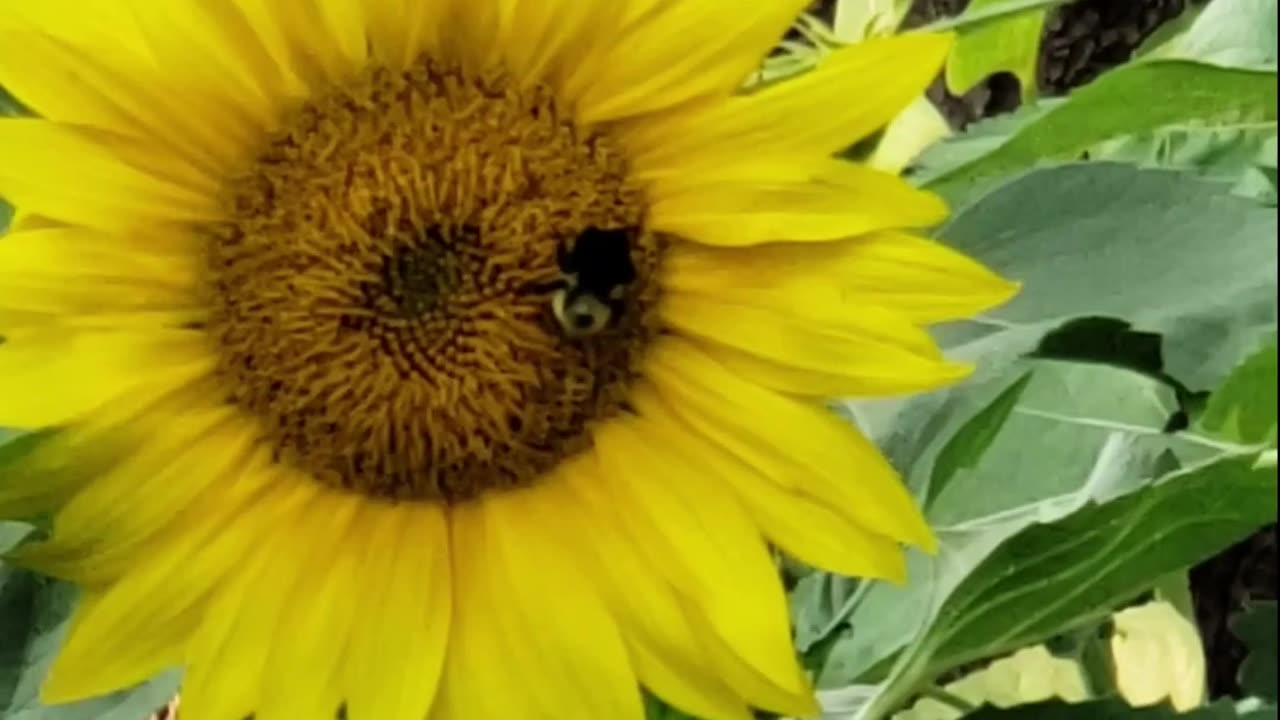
[408,338]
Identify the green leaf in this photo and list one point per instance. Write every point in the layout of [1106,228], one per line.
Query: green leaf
[1233,154]
[1097,239]
[1078,433]
[1053,577]
[1104,239]
[971,442]
[977,140]
[1257,629]
[1244,408]
[1134,99]
[1234,33]
[1102,710]
[34,618]
[1008,44]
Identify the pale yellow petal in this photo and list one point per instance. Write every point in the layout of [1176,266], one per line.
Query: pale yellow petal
[841,201]
[50,377]
[871,350]
[398,646]
[74,271]
[722,567]
[521,596]
[165,590]
[914,130]
[56,172]
[798,524]
[799,445]
[677,51]
[919,279]
[654,623]
[854,92]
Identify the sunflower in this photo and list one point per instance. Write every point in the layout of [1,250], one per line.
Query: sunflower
[280,301]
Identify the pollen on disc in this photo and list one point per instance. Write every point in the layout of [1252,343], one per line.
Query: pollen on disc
[380,299]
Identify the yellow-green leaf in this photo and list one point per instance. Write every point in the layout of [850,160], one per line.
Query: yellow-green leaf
[1009,43]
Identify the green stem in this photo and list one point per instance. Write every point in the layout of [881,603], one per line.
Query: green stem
[948,698]
[1175,589]
[1099,667]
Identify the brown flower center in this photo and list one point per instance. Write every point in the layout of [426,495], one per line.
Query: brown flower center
[382,299]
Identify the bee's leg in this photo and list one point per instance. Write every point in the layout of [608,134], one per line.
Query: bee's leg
[616,310]
[544,288]
[564,258]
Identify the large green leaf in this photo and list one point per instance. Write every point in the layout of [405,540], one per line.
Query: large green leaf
[34,615]
[1139,98]
[1098,239]
[1052,577]
[1257,629]
[1163,250]
[1076,434]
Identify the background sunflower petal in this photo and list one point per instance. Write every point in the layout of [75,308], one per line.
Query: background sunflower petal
[677,51]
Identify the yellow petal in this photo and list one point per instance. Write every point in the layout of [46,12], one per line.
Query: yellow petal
[53,465]
[314,633]
[542,40]
[800,446]
[345,22]
[805,529]
[520,595]
[227,657]
[164,592]
[716,554]
[56,172]
[208,49]
[854,92]
[873,352]
[68,77]
[676,52]
[843,200]
[401,30]
[133,653]
[74,271]
[50,378]
[919,279]
[397,653]
[100,532]
[654,624]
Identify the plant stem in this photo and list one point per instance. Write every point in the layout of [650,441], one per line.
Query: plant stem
[948,698]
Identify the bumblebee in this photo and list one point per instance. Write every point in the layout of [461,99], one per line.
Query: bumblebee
[595,270]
